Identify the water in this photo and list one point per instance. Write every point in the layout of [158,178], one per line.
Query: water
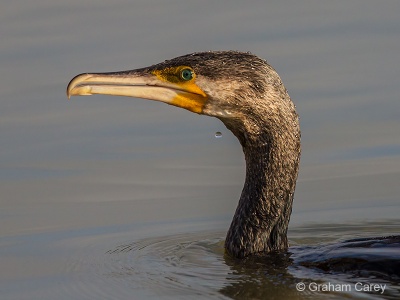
[218,134]
[105,197]
[118,263]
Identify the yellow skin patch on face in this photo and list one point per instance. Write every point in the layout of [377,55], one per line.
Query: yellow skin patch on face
[190,95]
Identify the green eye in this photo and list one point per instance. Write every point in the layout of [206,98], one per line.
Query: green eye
[186,74]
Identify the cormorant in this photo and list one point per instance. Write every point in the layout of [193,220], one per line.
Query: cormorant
[248,96]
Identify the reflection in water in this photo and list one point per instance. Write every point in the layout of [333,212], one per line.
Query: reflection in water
[262,277]
[196,264]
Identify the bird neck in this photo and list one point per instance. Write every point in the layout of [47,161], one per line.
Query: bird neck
[261,219]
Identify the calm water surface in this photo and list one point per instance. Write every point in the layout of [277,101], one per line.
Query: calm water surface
[105,197]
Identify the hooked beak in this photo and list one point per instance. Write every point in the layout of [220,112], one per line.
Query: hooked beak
[139,84]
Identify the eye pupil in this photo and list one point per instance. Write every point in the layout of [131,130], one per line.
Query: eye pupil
[186,74]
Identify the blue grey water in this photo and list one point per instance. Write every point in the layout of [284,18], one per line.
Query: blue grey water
[106,197]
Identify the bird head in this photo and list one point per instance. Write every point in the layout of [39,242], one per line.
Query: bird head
[215,83]
[239,88]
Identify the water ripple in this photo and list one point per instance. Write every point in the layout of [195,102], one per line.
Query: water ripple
[173,264]
[194,265]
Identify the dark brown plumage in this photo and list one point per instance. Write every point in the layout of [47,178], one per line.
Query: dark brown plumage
[248,96]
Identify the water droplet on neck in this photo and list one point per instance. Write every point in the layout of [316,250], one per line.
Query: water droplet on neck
[218,134]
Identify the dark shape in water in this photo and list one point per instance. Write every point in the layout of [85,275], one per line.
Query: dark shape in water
[377,257]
